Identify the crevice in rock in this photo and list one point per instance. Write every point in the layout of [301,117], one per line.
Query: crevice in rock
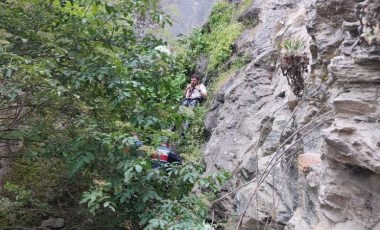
[266,128]
[359,171]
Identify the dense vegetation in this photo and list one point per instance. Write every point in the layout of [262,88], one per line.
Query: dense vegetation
[79,84]
[215,39]
[83,83]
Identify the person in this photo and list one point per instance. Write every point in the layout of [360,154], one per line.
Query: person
[164,155]
[195,92]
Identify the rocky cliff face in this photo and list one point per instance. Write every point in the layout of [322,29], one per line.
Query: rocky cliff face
[186,15]
[310,162]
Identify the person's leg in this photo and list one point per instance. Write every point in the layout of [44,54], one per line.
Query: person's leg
[193,103]
[186,102]
[156,165]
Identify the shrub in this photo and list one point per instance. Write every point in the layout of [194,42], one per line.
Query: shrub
[221,14]
[293,46]
[220,44]
[215,40]
[293,64]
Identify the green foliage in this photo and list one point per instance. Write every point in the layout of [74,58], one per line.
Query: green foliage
[38,176]
[190,48]
[85,84]
[294,46]
[40,188]
[293,64]
[243,5]
[221,15]
[195,135]
[214,41]
[225,75]
[21,194]
[17,208]
[223,31]
[220,44]
[8,212]
[159,198]
[86,79]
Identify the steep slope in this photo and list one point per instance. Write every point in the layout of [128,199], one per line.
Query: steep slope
[186,15]
[310,162]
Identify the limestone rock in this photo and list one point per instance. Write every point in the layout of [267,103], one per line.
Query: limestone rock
[250,17]
[307,161]
[280,131]
[186,15]
[348,145]
[328,175]
[201,67]
[346,70]
[293,101]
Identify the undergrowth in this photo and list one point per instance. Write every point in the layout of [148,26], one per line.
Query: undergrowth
[214,42]
[38,189]
[220,44]
[190,145]
[225,75]
[43,187]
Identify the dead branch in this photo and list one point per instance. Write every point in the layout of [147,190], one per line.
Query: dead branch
[271,165]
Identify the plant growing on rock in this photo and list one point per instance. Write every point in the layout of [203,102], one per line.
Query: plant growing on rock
[293,46]
[293,64]
[214,40]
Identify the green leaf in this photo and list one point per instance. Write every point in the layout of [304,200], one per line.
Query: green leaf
[138,168]
[108,7]
[149,195]
[86,159]
[128,175]
[144,220]
[78,165]
[8,73]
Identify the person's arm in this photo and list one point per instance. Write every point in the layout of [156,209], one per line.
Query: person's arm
[187,90]
[203,91]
